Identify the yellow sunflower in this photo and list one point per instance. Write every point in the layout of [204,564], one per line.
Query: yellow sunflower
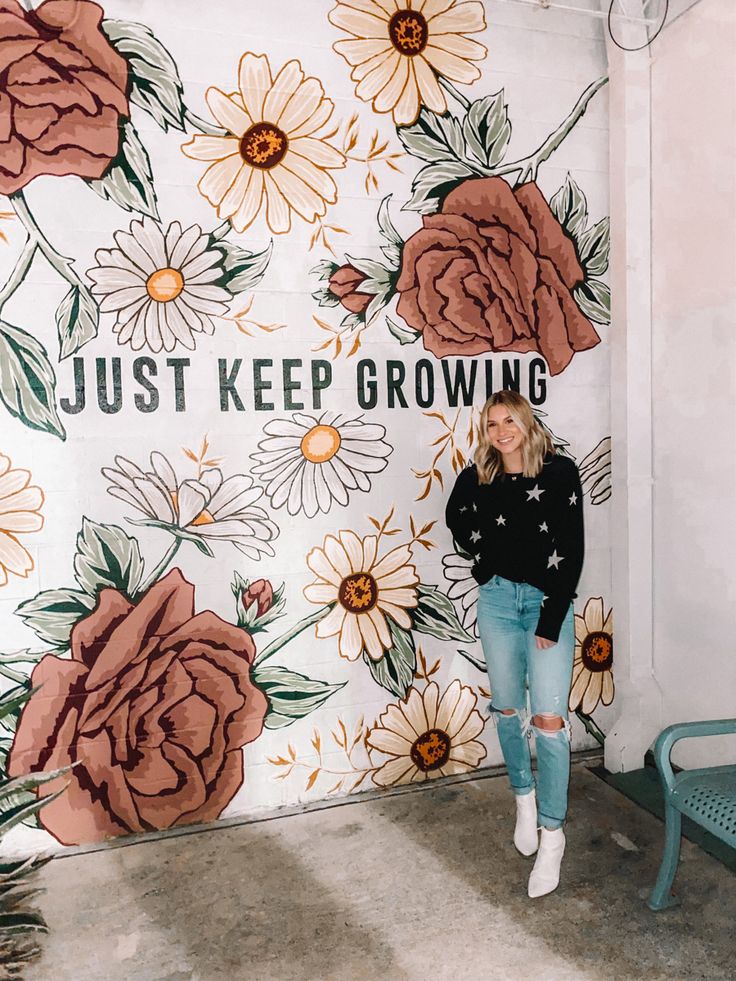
[20,505]
[399,47]
[592,677]
[270,148]
[427,736]
[365,591]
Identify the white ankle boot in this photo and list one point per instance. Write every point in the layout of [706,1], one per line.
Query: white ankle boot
[545,875]
[526,835]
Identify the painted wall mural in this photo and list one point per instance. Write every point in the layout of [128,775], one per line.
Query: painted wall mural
[250,307]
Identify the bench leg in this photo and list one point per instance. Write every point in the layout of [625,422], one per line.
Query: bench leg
[661,896]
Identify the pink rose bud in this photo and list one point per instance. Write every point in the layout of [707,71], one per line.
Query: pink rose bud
[344,283]
[259,592]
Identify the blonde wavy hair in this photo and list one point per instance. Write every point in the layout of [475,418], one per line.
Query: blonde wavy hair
[536,445]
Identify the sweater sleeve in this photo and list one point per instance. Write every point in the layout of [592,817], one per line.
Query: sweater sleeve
[565,562]
[461,507]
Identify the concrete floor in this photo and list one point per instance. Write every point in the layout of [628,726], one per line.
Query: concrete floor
[406,887]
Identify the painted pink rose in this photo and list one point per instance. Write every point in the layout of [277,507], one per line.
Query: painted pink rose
[494,271]
[62,92]
[153,710]
[345,284]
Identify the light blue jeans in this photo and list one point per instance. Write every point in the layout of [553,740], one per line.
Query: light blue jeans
[507,618]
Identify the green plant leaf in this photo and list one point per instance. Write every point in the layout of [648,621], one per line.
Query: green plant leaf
[434,138]
[487,129]
[27,381]
[53,613]
[23,811]
[107,557]
[290,695]
[325,298]
[28,783]
[395,670]
[402,334]
[154,79]
[243,270]
[435,615]
[386,226]
[594,299]
[570,208]
[13,700]
[593,248]
[27,921]
[433,183]
[128,181]
[77,320]
[185,536]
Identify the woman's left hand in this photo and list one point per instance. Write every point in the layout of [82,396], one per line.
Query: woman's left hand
[543,643]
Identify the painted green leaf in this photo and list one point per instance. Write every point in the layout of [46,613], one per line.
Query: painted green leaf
[12,701]
[402,334]
[570,207]
[434,138]
[395,670]
[155,85]
[432,185]
[435,615]
[594,246]
[325,298]
[243,269]
[77,319]
[107,557]
[27,380]
[53,613]
[386,226]
[290,695]
[185,536]
[594,299]
[487,129]
[128,181]
[324,269]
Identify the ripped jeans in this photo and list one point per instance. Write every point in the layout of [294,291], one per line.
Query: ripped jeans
[507,618]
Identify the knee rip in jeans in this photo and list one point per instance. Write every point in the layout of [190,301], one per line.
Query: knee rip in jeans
[508,712]
[548,724]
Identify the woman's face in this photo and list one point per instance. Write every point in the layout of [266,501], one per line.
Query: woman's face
[504,434]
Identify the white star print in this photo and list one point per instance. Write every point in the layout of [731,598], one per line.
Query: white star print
[477,558]
[543,599]
[475,536]
[554,560]
[543,526]
[500,520]
[463,510]
[535,493]
[574,499]
[474,509]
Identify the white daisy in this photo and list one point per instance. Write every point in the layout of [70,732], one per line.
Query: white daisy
[208,508]
[308,462]
[429,736]
[464,589]
[162,287]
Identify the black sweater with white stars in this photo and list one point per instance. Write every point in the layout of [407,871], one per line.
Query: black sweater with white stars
[526,529]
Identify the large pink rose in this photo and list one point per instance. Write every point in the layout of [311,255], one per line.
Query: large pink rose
[493,271]
[62,92]
[154,708]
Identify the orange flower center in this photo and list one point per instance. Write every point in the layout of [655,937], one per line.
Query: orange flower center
[431,750]
[165,285]
[408,32]
[263,145]
[320,444]
[203,518]
[358,593]
[597,651]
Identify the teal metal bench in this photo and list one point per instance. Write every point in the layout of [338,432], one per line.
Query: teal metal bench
[706,796]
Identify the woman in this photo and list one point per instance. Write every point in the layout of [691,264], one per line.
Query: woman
[518,511]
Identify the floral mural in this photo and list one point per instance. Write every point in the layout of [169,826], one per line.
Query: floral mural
[321,238]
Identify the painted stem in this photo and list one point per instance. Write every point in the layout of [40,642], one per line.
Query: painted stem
[458,96]
[201,124]
[529,165]
[20,269]
[62,265]
[166,559]
[284,639]
[591,728]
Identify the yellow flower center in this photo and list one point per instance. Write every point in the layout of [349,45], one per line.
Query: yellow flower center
[263,145]
[431,750]
[408,32]
[597,651]
[203,518]
[320,444]
[358,593]
[165,285]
